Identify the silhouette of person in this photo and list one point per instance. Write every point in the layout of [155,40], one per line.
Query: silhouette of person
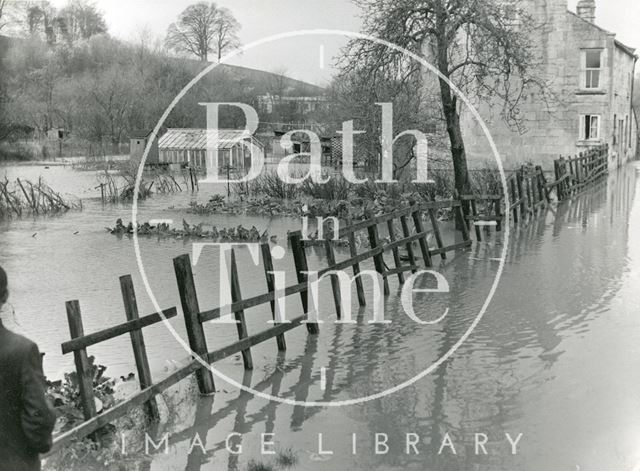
[26,418]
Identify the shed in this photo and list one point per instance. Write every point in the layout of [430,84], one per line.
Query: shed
[138,140]
[189,146]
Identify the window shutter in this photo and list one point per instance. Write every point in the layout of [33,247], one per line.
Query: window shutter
[582,127]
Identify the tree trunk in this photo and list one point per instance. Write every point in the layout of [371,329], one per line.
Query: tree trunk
[452,118]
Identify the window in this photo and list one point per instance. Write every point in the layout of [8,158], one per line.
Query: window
[592,67]
[590,127]
[621,132]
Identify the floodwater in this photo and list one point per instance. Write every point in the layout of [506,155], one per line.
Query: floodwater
[555,357]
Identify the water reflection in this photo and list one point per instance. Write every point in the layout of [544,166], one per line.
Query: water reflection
[550,346]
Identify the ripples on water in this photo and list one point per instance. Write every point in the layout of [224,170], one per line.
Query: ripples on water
[555,356]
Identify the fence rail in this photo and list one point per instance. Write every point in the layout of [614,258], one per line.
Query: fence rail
[195,318]
[529,194]
[529,191]
[574,175]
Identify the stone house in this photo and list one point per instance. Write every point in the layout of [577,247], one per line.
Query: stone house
[591,77]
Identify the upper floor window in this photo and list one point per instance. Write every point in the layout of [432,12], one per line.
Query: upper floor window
[592,59]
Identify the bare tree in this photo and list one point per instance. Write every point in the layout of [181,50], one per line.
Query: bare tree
[80,20]
[203,28]
[41,19]
[226,32]
[3,13]
[483,47]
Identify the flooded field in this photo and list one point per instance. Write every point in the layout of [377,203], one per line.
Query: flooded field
[38,251]
[555,358]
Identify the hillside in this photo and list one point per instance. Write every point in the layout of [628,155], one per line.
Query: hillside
[101,89]
[261,82]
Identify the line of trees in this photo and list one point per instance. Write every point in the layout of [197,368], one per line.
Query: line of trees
[77,20]
[100,89]
[59,68]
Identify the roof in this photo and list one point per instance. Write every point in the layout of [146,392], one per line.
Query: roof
[629,50]
[188,138]
[140,133]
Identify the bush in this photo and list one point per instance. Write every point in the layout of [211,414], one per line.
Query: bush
[485,181]
[18,151]
[267,184]
[65,394]
[337,188]
[286,458]
[259,466]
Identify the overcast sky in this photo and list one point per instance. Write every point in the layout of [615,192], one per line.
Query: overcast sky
[301,56]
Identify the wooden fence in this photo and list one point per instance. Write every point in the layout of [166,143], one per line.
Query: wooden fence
[195,317]
[529,193]
[574,175]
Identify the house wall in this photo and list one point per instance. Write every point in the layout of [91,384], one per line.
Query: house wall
[622,136]
[552,129]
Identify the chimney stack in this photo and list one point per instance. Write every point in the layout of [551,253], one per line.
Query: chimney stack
[587,10]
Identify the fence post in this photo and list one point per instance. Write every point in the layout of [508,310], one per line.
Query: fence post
[523,202]
[267,262]
[335,282]
[396,254]
[422,241]
[300,261]
[353,252]
[558,175]
[137,343]
[514,199]
[378,260]
[241,323]
[497,205]
[474,214]
[543,184]
[465,229]
[436,231]
[530,196]
[191,309]
[407,233]
[83,368]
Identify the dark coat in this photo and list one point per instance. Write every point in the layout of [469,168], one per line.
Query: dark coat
[26,419]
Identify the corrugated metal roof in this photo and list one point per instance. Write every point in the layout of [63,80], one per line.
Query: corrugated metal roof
[187,138]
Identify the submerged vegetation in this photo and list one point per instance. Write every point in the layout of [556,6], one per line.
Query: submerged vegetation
[285,459]
[23,197]
[269,196]
[119,184]
[225,234]
[65,395]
